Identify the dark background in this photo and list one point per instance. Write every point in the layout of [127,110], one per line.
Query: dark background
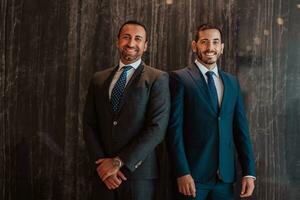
[49,50]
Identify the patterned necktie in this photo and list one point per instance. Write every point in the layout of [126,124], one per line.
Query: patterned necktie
[212,89]
[118,90]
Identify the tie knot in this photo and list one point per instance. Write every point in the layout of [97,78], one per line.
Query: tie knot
[209,73]
[126,68]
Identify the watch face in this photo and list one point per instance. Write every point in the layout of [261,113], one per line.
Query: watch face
[117,163]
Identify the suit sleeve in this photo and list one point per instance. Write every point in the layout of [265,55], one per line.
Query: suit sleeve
[242,138]
[175,140]
[90,130]
[157,117]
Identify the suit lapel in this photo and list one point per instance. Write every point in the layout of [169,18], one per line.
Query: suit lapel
[137,73]
[106,88]
[225,90]
[199,80]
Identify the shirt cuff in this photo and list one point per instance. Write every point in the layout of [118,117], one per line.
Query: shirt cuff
[249,176]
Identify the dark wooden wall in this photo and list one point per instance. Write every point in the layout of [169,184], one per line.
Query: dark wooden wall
[50,49]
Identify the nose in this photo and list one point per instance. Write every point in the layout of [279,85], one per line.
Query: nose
[209,46]
[131,43]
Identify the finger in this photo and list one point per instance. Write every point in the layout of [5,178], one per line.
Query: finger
[99,161]
[101,173]
[106,175]
[193,189]
[243,190]
[189,190]
[180,189]
[112,183]
[194,194]
[116,181]
[115,185]
[245,195]
[108,185]
[121,175]
[185,192]
[248,192]
[98,170]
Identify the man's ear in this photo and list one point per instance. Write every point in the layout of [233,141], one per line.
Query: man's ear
[222,48]
[117,43]
[146,46]
[194,46]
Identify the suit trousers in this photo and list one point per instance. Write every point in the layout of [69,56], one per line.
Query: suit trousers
[131,189]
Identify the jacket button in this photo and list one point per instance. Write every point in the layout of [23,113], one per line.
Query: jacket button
[115,123]
[219,118]
[138,164]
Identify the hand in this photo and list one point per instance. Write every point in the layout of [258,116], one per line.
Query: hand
[247,187]
[106,168]
[115,181]
[186,185]
[112,182]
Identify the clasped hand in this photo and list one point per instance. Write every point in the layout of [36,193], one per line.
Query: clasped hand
[109,174]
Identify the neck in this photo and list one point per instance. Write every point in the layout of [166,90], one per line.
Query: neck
[208,66]
[126,62]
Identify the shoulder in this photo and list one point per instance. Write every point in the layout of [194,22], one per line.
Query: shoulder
[101,76]
[153,73]
[228,75]
[102,73]
[232,78]
[153,70]
[180,74]
[181,71]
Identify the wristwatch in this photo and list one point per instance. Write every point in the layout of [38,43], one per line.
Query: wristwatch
[117,162]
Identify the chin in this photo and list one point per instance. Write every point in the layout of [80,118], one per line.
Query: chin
[130,59]
[210,61]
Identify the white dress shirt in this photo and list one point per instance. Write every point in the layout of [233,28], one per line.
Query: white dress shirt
[120,70]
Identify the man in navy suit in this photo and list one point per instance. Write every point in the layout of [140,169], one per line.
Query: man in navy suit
[125,118]
[208,125]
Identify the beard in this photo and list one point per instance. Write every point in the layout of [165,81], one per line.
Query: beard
[130,56]
[208,60]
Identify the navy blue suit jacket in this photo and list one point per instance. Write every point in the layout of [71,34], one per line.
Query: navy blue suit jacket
[201,140]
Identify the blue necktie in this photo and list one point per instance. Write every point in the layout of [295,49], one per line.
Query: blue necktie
[118,90]
[212,90]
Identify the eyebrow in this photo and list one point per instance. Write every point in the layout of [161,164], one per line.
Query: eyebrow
[139,36]
[126,34]
[212,39]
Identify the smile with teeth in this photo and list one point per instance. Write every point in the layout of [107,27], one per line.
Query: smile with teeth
[130,50]
[210,54]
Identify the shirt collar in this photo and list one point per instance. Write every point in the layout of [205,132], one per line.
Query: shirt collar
[133,65]
[203,69]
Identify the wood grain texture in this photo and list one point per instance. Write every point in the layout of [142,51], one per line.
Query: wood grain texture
[50,49]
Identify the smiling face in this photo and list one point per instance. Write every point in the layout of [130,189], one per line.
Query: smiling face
[209,47]
[131,43]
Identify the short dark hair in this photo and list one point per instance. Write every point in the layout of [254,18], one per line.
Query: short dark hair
[203,27]
[133,22]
